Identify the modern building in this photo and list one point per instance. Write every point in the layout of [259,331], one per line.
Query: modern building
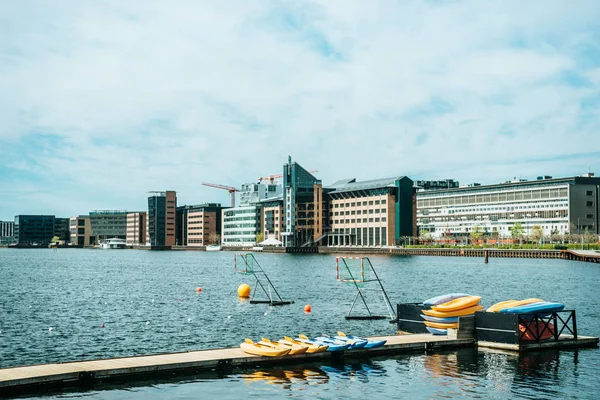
[563,205]
[162,207]
[199,225]
[7,232]
[272,218]
[240,225]
[371,213]
[108,224]
[81,230]
[136,228]
[431,185]
[34,230]
[62,229]
[253,193]
[305,208]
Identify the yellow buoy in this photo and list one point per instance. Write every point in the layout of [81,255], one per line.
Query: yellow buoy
[244,290]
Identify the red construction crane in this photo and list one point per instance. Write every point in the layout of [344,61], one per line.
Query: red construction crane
[271,178]
[230,189]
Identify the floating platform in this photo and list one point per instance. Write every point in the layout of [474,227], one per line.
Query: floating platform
[563,342]
[33,378]
[272,303]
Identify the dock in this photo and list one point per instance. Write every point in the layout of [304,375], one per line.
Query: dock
[84,374]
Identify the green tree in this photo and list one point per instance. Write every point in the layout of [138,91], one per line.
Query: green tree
[260,237]
[536,233]
[517,231]
[214,238]
[55,239]
[476,234]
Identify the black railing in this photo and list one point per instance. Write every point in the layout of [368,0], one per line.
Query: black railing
[546,326]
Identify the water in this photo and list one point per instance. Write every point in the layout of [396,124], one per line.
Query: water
[53,305]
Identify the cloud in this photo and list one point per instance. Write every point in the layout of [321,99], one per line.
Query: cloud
[103,101]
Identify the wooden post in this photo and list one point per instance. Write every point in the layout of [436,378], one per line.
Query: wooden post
[485,255]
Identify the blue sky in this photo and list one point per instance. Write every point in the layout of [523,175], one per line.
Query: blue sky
[103,101]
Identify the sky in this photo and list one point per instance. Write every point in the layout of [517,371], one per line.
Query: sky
[103,101]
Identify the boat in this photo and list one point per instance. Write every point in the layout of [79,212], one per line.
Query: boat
[114,243]
[213,247]
[248,346]
[331,345]
[436,331]
[458,304]
[498,307]
[440,325]
[533,308]
[354,344]
[434,301]
[458,313]
[293,347]
[311,347]
[543,331]
[445,320]
[371,344]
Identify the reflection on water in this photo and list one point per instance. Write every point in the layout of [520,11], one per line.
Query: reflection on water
[286,377]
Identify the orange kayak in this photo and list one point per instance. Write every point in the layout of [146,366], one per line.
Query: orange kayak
[458,304]
[457,313]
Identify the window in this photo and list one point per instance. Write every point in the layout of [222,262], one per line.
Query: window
[383,219]
[384,236]
[358,237]
[589,203]
[371,202]
[590,216]
[371,211]
[589,193]
[383,201]
[376,201]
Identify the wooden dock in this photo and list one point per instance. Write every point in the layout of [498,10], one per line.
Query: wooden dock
[583,255]
[88,373]
[564,342]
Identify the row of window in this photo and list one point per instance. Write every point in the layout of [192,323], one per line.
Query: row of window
[536,194]
[358,220]
[359,212]
[373,236]
[358,203]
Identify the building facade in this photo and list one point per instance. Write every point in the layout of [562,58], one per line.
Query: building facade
[81,230]
[371,213]
[108,224]
[200,224]
[162,207]
[34,230]
[557,206]
[272,219]
[240,225]
[136,228]
[7,232]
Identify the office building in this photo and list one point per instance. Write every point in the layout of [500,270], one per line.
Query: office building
[557,206]
[240,225]
[81,230]
[199,225]
[162,207]
[272,218]
[108,224]
[34,230]
[371,213]
[136,228]
[62,229]
[7,232]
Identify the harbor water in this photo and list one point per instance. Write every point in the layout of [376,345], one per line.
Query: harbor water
[79,304]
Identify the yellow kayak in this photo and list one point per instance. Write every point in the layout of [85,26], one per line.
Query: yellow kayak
[441,325]
[260,350]
[457,313]
[311,347]
[293,347]
[501,305]
[458,304]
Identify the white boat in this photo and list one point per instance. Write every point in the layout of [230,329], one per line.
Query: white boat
[114,243]
[213,247]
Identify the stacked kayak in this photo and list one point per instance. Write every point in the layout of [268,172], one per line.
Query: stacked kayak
[527,306]
[446,309]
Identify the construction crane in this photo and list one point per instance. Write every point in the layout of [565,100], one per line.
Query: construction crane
[271,178]
[230,189]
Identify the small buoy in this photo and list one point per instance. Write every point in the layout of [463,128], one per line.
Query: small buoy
[307,308]
[265,313]
[153,300]
[102,326]
[198,289]
[29,306]
[244,291]
[50,329]
[189,320]
[229,317]
[105,303]
[147,322]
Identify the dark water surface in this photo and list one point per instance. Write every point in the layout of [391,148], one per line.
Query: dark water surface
[148,304]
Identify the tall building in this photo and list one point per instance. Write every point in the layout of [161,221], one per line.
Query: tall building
[161,226]
[7,232]
[303,206]
[81,230]
[108,224]
[200,224]
[136,228]
[371,213]
[62,229]
[240,225]
[272,218]
[563,205]
[34,230]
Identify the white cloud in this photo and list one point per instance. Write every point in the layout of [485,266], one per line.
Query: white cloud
[158,95]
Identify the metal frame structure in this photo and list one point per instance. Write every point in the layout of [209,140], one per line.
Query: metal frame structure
[531,322]
[258,272]
[362,279]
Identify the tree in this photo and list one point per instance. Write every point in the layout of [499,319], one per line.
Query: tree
[517,231]
[260,237]
[214,238]
[537,233]
[55,239]
[424,235]
[476,234]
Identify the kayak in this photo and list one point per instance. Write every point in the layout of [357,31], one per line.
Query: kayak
[515,303]
[310,347]
[358,344]
[371,344]
[499,306]
[259,350]
[440,325]
[541,307]
[458,313]
[436,331]
[293,348]
[331,346]
[434,301]
[541,332]
[446,320]
[458,304]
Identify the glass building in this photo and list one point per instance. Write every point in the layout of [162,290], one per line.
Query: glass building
[34,230]
[162,209]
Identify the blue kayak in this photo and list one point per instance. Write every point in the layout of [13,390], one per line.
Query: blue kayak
[436,331]
[332,345]
[335,341]
[541,307]
[370,344]
[446,320]
[434,301]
